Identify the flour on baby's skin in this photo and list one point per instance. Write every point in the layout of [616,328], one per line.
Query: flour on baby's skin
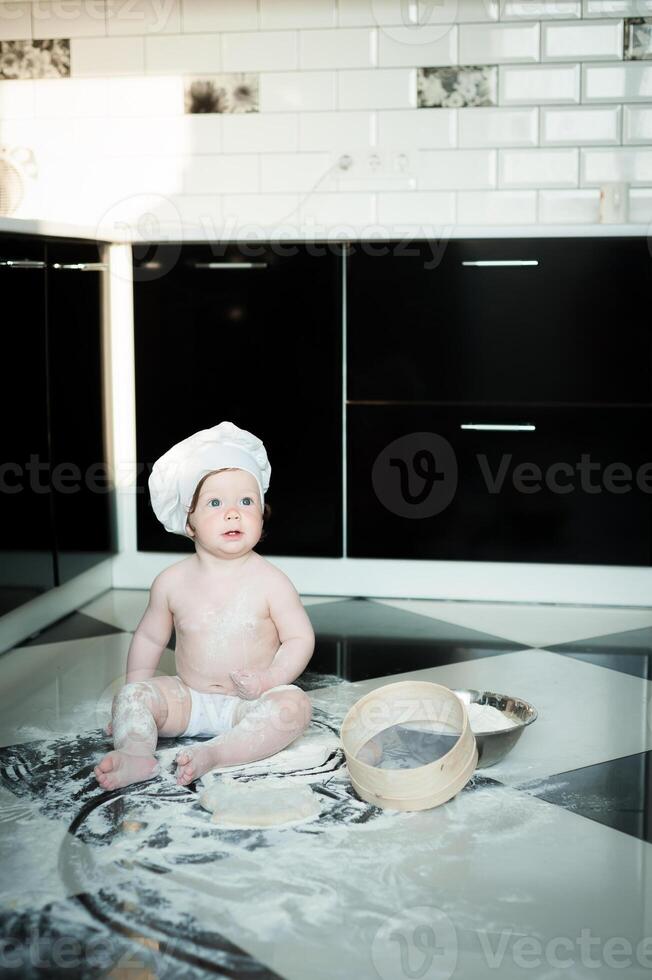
[234,623]
[224,624]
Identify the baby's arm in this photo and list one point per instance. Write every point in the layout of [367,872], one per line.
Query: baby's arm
[297,643]
[152,634]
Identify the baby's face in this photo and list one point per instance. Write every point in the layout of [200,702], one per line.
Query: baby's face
[228,519]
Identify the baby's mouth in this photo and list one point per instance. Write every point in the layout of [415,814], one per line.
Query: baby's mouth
[232,534]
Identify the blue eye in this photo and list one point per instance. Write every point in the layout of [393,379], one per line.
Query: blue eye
[214,500]
[247,498]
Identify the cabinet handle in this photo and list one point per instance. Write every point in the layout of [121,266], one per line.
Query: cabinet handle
[229,265]
[494,427]
[483,263]
[80,266]
[22,264]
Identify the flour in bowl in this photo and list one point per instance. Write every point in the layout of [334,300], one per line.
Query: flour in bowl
[485,718]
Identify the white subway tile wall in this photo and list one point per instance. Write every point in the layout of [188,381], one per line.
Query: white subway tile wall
[199,16]
[260,51]
[287,172]
[335,131]
[567,42]
[617,8]
[17,101]
[16,21]
[497,127]
[51,20]
[379,88]
[339,48]
[540,9]
[329,137]
[193,54]
[623,164]
[418,129]
[223,174]
[569,207]
[497,207]
[568,126]
[637,124]
[71,99]
[538,168]
[640,205]
[422,209]
[91,56]
[257,132]
[289,14]
[617,83]
[139,17]
[540,84]
[298,90]
[487,44]
[401,47]
[450,169]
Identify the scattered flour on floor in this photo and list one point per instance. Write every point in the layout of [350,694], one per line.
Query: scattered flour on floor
[29,854]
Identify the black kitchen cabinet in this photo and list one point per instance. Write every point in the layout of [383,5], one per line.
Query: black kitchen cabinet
[27,563]
[55,507]
[250,333]
[501,321]
[81,492]
[567,486]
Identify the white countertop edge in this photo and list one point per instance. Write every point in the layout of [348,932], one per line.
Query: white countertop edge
[51,229]
[188,233]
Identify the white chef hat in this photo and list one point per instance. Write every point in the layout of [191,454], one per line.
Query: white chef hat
[177,472]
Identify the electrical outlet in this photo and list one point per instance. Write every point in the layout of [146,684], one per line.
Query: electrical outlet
[370,163]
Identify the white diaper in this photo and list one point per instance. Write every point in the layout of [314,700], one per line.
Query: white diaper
[210,714]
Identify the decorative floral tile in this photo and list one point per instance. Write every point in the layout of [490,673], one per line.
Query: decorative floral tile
[638,38]
[237,92]
[473,85]
[35,59]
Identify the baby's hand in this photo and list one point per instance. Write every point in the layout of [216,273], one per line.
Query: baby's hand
[248,684]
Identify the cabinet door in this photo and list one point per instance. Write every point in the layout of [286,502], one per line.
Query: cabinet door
[27,560]
[554,488]
[250,334]
[80,488]
[501,321]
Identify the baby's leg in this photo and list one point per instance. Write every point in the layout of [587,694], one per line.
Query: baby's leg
[140,711]
[262,728]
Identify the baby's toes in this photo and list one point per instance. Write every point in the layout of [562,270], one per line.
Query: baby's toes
[186,773]
[185,776]
[104,767]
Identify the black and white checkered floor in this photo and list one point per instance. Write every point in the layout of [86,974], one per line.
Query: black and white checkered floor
[537,869]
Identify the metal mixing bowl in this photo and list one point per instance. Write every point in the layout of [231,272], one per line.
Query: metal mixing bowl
[494,746]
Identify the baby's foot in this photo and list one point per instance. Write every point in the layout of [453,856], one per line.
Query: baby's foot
[118,769]
[194,762]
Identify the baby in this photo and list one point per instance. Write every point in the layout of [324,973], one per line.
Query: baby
[242,634]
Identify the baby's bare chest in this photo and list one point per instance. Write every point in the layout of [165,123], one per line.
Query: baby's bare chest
[223,616]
